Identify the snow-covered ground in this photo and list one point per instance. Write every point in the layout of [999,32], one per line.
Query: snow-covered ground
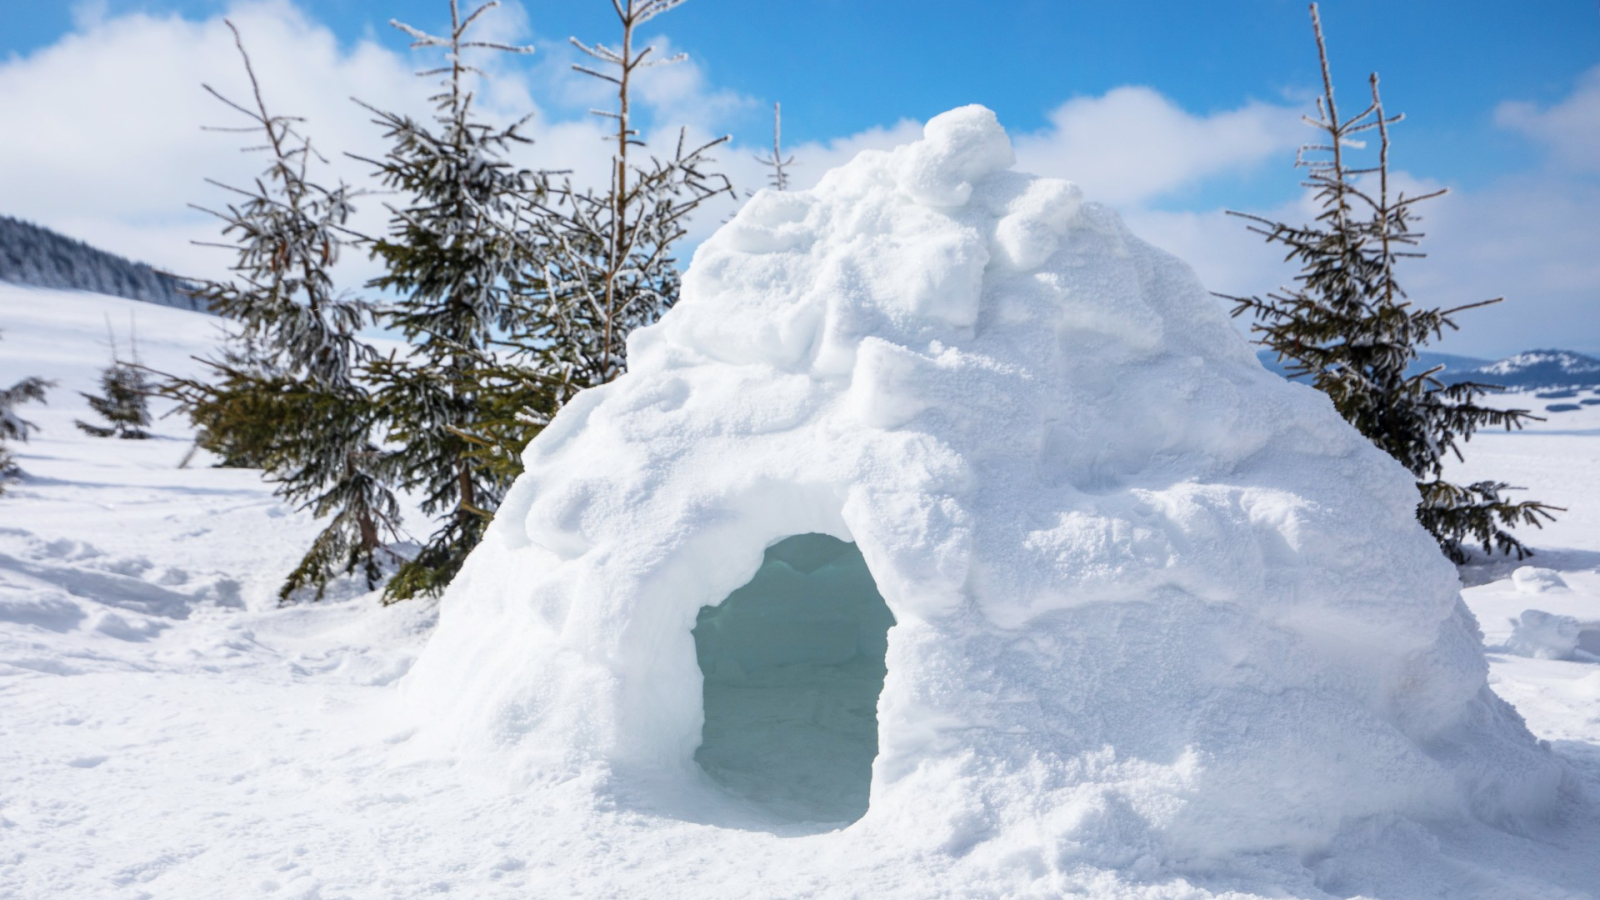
[155,704]
[167,731]
[1558,462]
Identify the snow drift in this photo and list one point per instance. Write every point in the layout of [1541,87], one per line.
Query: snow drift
[1150,603]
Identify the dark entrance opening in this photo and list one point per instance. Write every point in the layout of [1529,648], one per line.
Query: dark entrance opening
[793,665]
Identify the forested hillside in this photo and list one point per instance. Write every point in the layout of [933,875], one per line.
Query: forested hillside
[40,257]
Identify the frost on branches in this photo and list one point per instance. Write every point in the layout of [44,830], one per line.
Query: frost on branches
[607,257]
[777,164]
[286,398]
[1348,327]
[449,257]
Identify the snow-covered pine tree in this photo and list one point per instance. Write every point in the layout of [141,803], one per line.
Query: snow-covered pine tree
[450,259]
[601,261]
[1348,327]
[286,396]
[12,426]
[778,178]
[123,402]
[608,263]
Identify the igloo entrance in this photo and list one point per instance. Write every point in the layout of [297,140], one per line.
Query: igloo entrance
[793,665]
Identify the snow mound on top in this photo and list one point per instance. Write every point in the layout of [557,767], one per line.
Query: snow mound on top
[1153,604]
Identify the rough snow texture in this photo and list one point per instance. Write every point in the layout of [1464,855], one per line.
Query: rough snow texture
[1158,612]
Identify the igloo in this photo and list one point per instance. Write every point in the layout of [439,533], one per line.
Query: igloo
[944,511]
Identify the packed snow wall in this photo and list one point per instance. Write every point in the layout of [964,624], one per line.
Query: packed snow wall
[1149,600]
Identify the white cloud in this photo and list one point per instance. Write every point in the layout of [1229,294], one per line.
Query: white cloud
[678,94]
[1133,145]
[1570,128]
[107,138]
[112,146]
[1530,239]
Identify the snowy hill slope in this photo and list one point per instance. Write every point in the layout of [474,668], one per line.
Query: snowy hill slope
[1450,361]
[168,732]
[117,498]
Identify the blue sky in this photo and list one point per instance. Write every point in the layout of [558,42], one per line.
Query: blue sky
[1501,99]
[842,66]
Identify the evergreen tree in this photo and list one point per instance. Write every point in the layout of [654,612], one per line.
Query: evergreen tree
[12,426]
[451,260]
[607,256]
[123,403]
[286,397]
[600,263]
[1348,327]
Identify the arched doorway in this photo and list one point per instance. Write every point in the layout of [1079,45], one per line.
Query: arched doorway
[793,665]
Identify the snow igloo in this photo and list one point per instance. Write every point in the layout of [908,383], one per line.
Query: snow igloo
[942,505]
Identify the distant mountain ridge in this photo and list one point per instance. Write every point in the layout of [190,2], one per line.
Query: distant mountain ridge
[1539,369]
[1531,369]
[36,256]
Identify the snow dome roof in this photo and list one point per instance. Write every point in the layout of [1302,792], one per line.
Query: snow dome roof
[1149,600]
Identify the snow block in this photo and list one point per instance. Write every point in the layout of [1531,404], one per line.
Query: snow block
[1543,635]
[1152,604]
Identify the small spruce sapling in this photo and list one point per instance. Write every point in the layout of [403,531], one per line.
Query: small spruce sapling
[1348,327]
[124,399]
[12,426]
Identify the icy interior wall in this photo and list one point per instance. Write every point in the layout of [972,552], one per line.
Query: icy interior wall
[793,665]
[1152,602]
